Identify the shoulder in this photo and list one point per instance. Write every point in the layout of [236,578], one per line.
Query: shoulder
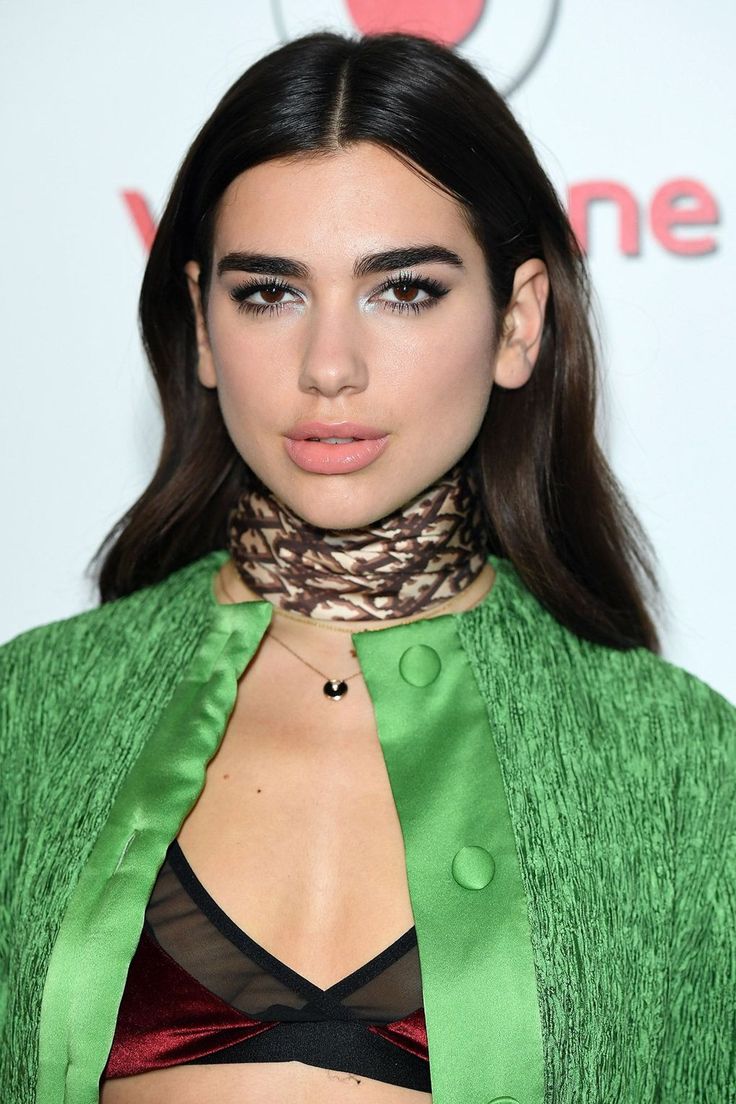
[652,685]
[169,597]
[594,684]
[63,653]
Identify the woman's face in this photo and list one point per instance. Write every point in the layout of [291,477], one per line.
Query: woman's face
[321,328]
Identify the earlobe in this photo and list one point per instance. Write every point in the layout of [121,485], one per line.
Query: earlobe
[205,363]
[523,325]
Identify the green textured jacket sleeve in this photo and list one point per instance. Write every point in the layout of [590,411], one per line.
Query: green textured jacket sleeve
[4,918]
[699,1046]
[20,690]
[7,835]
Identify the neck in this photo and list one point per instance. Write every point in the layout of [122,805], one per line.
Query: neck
[426,552]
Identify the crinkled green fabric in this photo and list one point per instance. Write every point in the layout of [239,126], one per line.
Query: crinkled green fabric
[568,813]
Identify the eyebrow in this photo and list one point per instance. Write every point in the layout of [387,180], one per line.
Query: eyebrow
[403,257]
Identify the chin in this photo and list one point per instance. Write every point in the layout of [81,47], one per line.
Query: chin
[336,502]
[323,516]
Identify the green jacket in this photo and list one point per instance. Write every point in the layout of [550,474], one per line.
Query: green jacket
[568,813]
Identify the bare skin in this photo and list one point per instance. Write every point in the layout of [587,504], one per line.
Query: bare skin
[291,769]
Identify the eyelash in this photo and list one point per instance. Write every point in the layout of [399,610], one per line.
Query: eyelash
[434,288]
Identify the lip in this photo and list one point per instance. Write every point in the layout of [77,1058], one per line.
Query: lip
[323,459]
[303,430]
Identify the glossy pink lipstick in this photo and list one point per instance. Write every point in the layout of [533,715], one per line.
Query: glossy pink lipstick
[312,447]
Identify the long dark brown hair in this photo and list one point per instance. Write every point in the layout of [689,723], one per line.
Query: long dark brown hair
[554,507]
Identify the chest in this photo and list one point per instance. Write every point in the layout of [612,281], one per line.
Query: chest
[295,833]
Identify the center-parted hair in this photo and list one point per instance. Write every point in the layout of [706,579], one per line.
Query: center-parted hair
[553,505]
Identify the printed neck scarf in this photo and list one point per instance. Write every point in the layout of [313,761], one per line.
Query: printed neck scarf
[430,549]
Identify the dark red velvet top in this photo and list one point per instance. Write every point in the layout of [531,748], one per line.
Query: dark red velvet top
[201,991]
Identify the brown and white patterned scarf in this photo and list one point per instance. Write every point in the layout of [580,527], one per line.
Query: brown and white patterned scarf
[428,550]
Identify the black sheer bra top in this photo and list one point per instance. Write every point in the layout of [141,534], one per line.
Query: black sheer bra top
[200,991]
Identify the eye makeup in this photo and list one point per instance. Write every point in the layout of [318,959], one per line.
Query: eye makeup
[241,294]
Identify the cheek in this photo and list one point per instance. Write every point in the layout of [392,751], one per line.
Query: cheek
[448,378]
[248,382]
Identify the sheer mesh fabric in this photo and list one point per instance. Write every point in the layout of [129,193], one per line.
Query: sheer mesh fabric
[190,926]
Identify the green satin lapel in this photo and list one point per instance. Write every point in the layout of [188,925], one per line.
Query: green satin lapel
[102,924]
[478,977]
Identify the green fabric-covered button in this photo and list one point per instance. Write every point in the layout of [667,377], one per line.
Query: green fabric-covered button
[473,868]
[504,1100]
[419,665]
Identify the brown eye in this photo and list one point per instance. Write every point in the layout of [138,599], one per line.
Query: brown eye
[275,291]
[257,296]
[410,292]
[408,295]
[401,292]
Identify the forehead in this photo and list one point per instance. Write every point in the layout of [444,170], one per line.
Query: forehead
[346,199]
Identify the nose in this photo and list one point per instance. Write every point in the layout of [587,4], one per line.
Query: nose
[333,358]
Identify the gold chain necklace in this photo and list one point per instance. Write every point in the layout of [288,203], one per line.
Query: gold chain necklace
[334,689]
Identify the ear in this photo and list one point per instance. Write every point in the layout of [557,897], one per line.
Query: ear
[521,331]
[205,363]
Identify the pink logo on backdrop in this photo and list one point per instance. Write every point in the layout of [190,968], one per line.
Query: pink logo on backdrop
[511,47]
[675,204]
[437,19]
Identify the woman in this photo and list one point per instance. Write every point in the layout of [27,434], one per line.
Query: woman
[366,774]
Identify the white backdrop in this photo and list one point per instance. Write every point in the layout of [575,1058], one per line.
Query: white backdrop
[632,101]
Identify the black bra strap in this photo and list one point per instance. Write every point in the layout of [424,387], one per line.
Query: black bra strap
[328,1001]
[339,1045]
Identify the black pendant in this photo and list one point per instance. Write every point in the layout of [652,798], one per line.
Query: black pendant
[335,689]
